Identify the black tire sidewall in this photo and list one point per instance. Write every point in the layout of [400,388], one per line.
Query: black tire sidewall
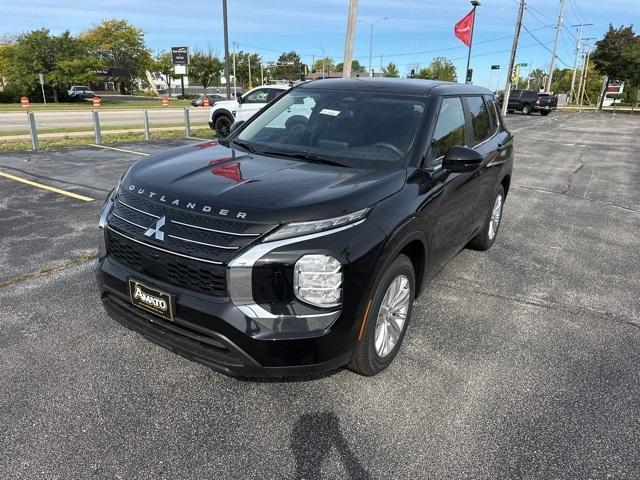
[222,118]
[526,109]
[401,265]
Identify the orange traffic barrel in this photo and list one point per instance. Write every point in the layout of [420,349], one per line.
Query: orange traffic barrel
[205,102]
[96,102]
[24,101]
[165,101]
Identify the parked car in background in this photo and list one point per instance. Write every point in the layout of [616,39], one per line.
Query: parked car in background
[80,91]
[298,244]
[225,112]
[213,98]
[528,101]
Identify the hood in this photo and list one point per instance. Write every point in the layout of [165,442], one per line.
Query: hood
[216,180]
[228,104]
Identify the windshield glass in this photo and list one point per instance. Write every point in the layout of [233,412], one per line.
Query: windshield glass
[355,129]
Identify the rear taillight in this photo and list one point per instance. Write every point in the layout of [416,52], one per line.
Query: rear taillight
[537,100]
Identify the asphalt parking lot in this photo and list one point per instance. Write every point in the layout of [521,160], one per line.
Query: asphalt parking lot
[520,362]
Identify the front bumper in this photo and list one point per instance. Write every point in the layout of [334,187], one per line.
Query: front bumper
[248,336]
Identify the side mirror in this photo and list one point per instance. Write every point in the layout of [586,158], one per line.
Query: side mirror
[462,159]
[235,125]
[239,99]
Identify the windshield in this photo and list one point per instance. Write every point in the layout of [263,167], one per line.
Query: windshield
[355,129]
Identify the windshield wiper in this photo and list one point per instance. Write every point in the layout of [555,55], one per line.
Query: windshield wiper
[246,145]
[310,157]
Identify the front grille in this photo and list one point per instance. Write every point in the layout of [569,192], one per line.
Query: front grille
[190,274]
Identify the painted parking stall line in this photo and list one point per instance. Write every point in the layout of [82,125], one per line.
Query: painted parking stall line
[47,187]
[119,149]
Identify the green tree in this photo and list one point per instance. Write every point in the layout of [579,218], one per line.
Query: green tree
[244,60]
[205,68]
[120,45]
[561,82]
[355,67]
[323,64]
[288,66]
[63,60]
[391,71]
[440,68]
[162,66]
[611,54]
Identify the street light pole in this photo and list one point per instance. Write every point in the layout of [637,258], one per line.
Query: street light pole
[324,58]
[512,58]
[371,25]
[348,44]
[235,84]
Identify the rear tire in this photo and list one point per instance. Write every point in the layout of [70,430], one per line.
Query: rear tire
[509,111]
[387,318]
[526,109]
[222,125]
[489,231]
[544,113]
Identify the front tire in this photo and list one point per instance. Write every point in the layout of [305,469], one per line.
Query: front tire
[489,232]
[222,125]
[386,318]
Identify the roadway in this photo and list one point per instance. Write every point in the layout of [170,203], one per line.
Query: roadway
[82,119]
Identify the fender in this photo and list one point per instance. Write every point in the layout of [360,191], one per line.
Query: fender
[223,111]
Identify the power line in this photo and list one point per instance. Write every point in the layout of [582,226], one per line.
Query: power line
[543,45]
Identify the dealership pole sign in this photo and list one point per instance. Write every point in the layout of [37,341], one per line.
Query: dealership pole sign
[180,55]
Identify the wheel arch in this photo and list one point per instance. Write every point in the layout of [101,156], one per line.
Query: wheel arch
[223,111]
[506,182]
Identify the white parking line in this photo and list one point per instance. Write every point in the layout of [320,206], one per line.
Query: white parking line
[119,149]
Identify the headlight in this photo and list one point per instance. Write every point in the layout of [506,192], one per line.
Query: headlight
[303,228]
[317,280]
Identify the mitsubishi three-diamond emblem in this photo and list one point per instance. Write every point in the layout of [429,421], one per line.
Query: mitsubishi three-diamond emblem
[155,230]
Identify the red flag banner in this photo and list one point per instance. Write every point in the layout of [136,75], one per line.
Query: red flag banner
[463,28]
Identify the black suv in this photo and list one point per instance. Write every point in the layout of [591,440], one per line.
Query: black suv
[528,101]
[298,244]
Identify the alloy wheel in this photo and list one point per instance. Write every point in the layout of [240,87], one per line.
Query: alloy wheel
[496,215]
[392,315]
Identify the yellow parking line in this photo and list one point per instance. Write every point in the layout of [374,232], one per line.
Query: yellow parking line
[47,187]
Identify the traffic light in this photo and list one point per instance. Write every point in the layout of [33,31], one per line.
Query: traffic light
[413,73]
[304,71]
[469,75]
[515,74]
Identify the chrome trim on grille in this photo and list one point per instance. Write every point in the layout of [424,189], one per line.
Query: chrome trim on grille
[203,243]
[163,249]
[137,209]
[128,221]
[217,231]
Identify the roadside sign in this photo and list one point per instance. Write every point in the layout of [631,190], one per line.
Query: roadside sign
[523,64]
[180,55]
[41,78]
[495,67]
[165,101]
[96,101]
[180,69]
[24,101]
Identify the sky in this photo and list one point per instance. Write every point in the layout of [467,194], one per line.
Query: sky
[415,30]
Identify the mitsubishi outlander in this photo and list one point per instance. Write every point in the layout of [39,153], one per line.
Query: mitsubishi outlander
[298,244]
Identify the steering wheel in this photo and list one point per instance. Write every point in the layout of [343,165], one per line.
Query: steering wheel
[388,146]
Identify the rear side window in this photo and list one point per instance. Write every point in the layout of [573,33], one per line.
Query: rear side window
[450,128]
[274,93]
[493,112]
[480,119]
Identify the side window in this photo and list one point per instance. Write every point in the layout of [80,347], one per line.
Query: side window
[257,96]
[298,112]
[450,129]
[480,119]
[493,113]
[274,93]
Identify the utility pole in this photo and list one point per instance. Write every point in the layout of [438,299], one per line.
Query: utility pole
[584,62]
[555,48]
[512,59]
[584,83]
[475,4]
[249,63]
[235,84]
[226,49]
[575,61]
[348,45]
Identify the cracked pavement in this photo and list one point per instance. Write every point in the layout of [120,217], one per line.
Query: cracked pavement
[519,362]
